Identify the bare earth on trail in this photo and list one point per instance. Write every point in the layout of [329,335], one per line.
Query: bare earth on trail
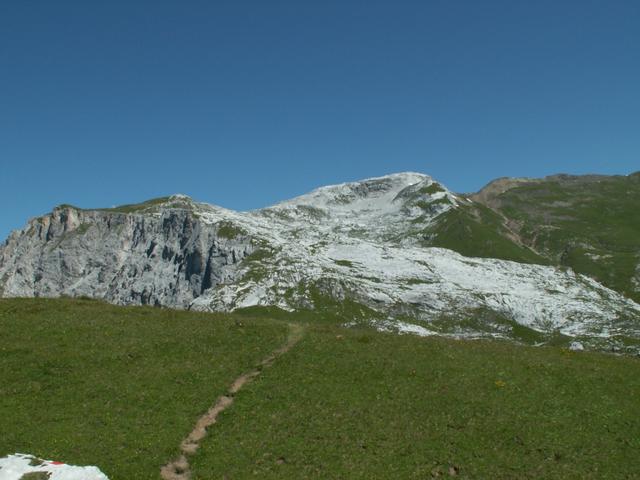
[179,468]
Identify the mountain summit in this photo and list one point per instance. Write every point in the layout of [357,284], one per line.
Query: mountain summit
[365,252]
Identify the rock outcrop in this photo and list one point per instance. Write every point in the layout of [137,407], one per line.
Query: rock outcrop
[356,250]
[167,258]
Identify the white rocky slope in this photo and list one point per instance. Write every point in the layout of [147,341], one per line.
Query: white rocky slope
[21,466]
[351,249]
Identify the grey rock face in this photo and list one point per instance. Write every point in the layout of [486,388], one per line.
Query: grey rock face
[353,250]
[166,259]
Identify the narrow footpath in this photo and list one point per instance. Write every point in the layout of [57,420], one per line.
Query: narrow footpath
[179,468]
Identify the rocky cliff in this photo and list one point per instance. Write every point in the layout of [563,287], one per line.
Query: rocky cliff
[167,258]
[359,251]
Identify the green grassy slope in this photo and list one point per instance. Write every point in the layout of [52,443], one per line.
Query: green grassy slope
[477,231]
[89,383]
[362,405]
[92,384]
[591,224]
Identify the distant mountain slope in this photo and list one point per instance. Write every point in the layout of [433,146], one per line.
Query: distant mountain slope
[476,230]
[590,223]
[360,251]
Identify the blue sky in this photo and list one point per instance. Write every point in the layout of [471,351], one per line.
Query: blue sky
[244,103]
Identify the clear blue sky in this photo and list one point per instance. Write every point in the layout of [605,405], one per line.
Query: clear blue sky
[244,103]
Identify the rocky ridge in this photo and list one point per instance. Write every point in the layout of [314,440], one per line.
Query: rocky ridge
[355,249]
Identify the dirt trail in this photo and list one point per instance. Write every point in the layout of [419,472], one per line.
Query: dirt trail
[179,468]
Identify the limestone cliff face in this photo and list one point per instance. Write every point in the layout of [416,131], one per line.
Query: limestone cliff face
[166,259]
[354,251]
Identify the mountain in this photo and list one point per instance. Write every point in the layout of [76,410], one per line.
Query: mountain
[400,252]
[589,223]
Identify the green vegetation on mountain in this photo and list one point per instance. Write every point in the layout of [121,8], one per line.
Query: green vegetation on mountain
[139,207]
[148,206]
[120,387]
[588,223]
[229,230]
[492,323]
[477,231]
[435,187]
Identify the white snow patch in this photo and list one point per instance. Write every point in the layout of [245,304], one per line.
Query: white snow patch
[576,346]
[404,327]
[352,223]
[13,467]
